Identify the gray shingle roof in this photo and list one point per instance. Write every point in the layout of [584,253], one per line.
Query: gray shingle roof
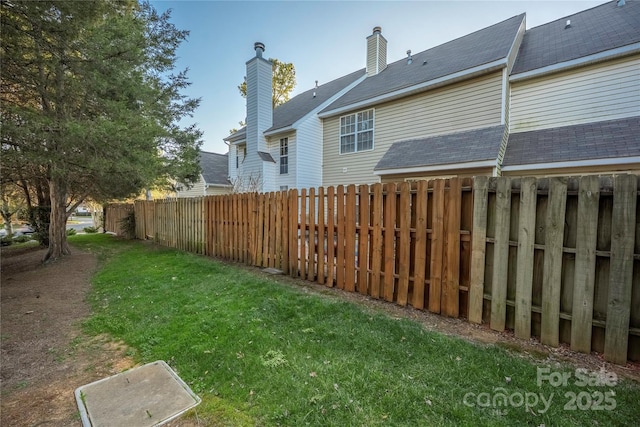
[266,157]
[215,168]
[481,47]
[237,136]
[297,107]
[599,140]
[300,105]
[592,31]
[460,147]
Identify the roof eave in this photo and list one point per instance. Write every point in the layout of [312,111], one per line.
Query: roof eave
[280,130]
[578,62]
[421,87]
[436,168]
[612,161]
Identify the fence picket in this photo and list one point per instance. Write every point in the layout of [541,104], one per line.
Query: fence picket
[451,280]
[422,198]
[350,239]
[311,276]
[552,275]
[340,261]
[376,241]
[478,248]
[584,282]
[524,269]
[363,240]
[389,241]
[321,236]
[437,246]
[621,276]
[404,243]
[293,233]
[331,236]
[501,255]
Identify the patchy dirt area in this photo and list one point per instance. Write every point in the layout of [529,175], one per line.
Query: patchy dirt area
[45,356]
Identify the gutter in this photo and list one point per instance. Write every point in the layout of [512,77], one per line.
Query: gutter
[614,161]
[280,130]
[435,168]
[421,87]
[578,62]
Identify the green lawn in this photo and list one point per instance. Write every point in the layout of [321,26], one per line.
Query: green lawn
[262,352]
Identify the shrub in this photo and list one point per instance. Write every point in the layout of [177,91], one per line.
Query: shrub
[71,231]
[90,230]
[22,239]
[128,225]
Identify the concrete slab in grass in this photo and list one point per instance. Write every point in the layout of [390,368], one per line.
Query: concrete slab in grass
[146,396]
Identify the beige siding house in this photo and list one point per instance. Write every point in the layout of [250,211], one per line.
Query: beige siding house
[416,108]
[561,98]
[213,177]
[575,103]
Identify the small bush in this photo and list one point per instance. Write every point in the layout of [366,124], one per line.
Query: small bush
[90,230]
[71,231]
[6,241]
[128,225]
[22,239]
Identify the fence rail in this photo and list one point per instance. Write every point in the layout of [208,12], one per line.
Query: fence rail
[555,258]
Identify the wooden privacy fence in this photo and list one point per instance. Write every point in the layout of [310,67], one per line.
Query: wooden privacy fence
[176,223]
[115,213]
[402,243]
[559,258]
[556,258]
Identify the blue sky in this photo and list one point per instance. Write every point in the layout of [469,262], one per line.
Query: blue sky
[323,39]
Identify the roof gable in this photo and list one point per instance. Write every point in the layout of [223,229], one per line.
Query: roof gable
[479,48]
[594,30]
[215,168]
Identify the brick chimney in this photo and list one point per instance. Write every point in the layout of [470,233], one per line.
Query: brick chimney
[376,52]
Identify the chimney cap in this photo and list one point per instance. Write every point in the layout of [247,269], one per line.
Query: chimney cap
[259,47]
[377,30]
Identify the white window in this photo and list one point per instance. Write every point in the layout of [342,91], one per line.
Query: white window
[241,154]
[284,156]
[356,132]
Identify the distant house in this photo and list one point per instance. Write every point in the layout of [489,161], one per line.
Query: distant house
[561,98]
[213,179]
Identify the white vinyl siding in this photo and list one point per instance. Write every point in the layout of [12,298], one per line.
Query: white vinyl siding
[595,93]
[308,154]
[284,156]
[279,179]
[467,105]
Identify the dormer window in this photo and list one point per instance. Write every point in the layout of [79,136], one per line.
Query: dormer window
[356,132]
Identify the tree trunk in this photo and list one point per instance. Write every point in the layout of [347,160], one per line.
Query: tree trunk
[58,245]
